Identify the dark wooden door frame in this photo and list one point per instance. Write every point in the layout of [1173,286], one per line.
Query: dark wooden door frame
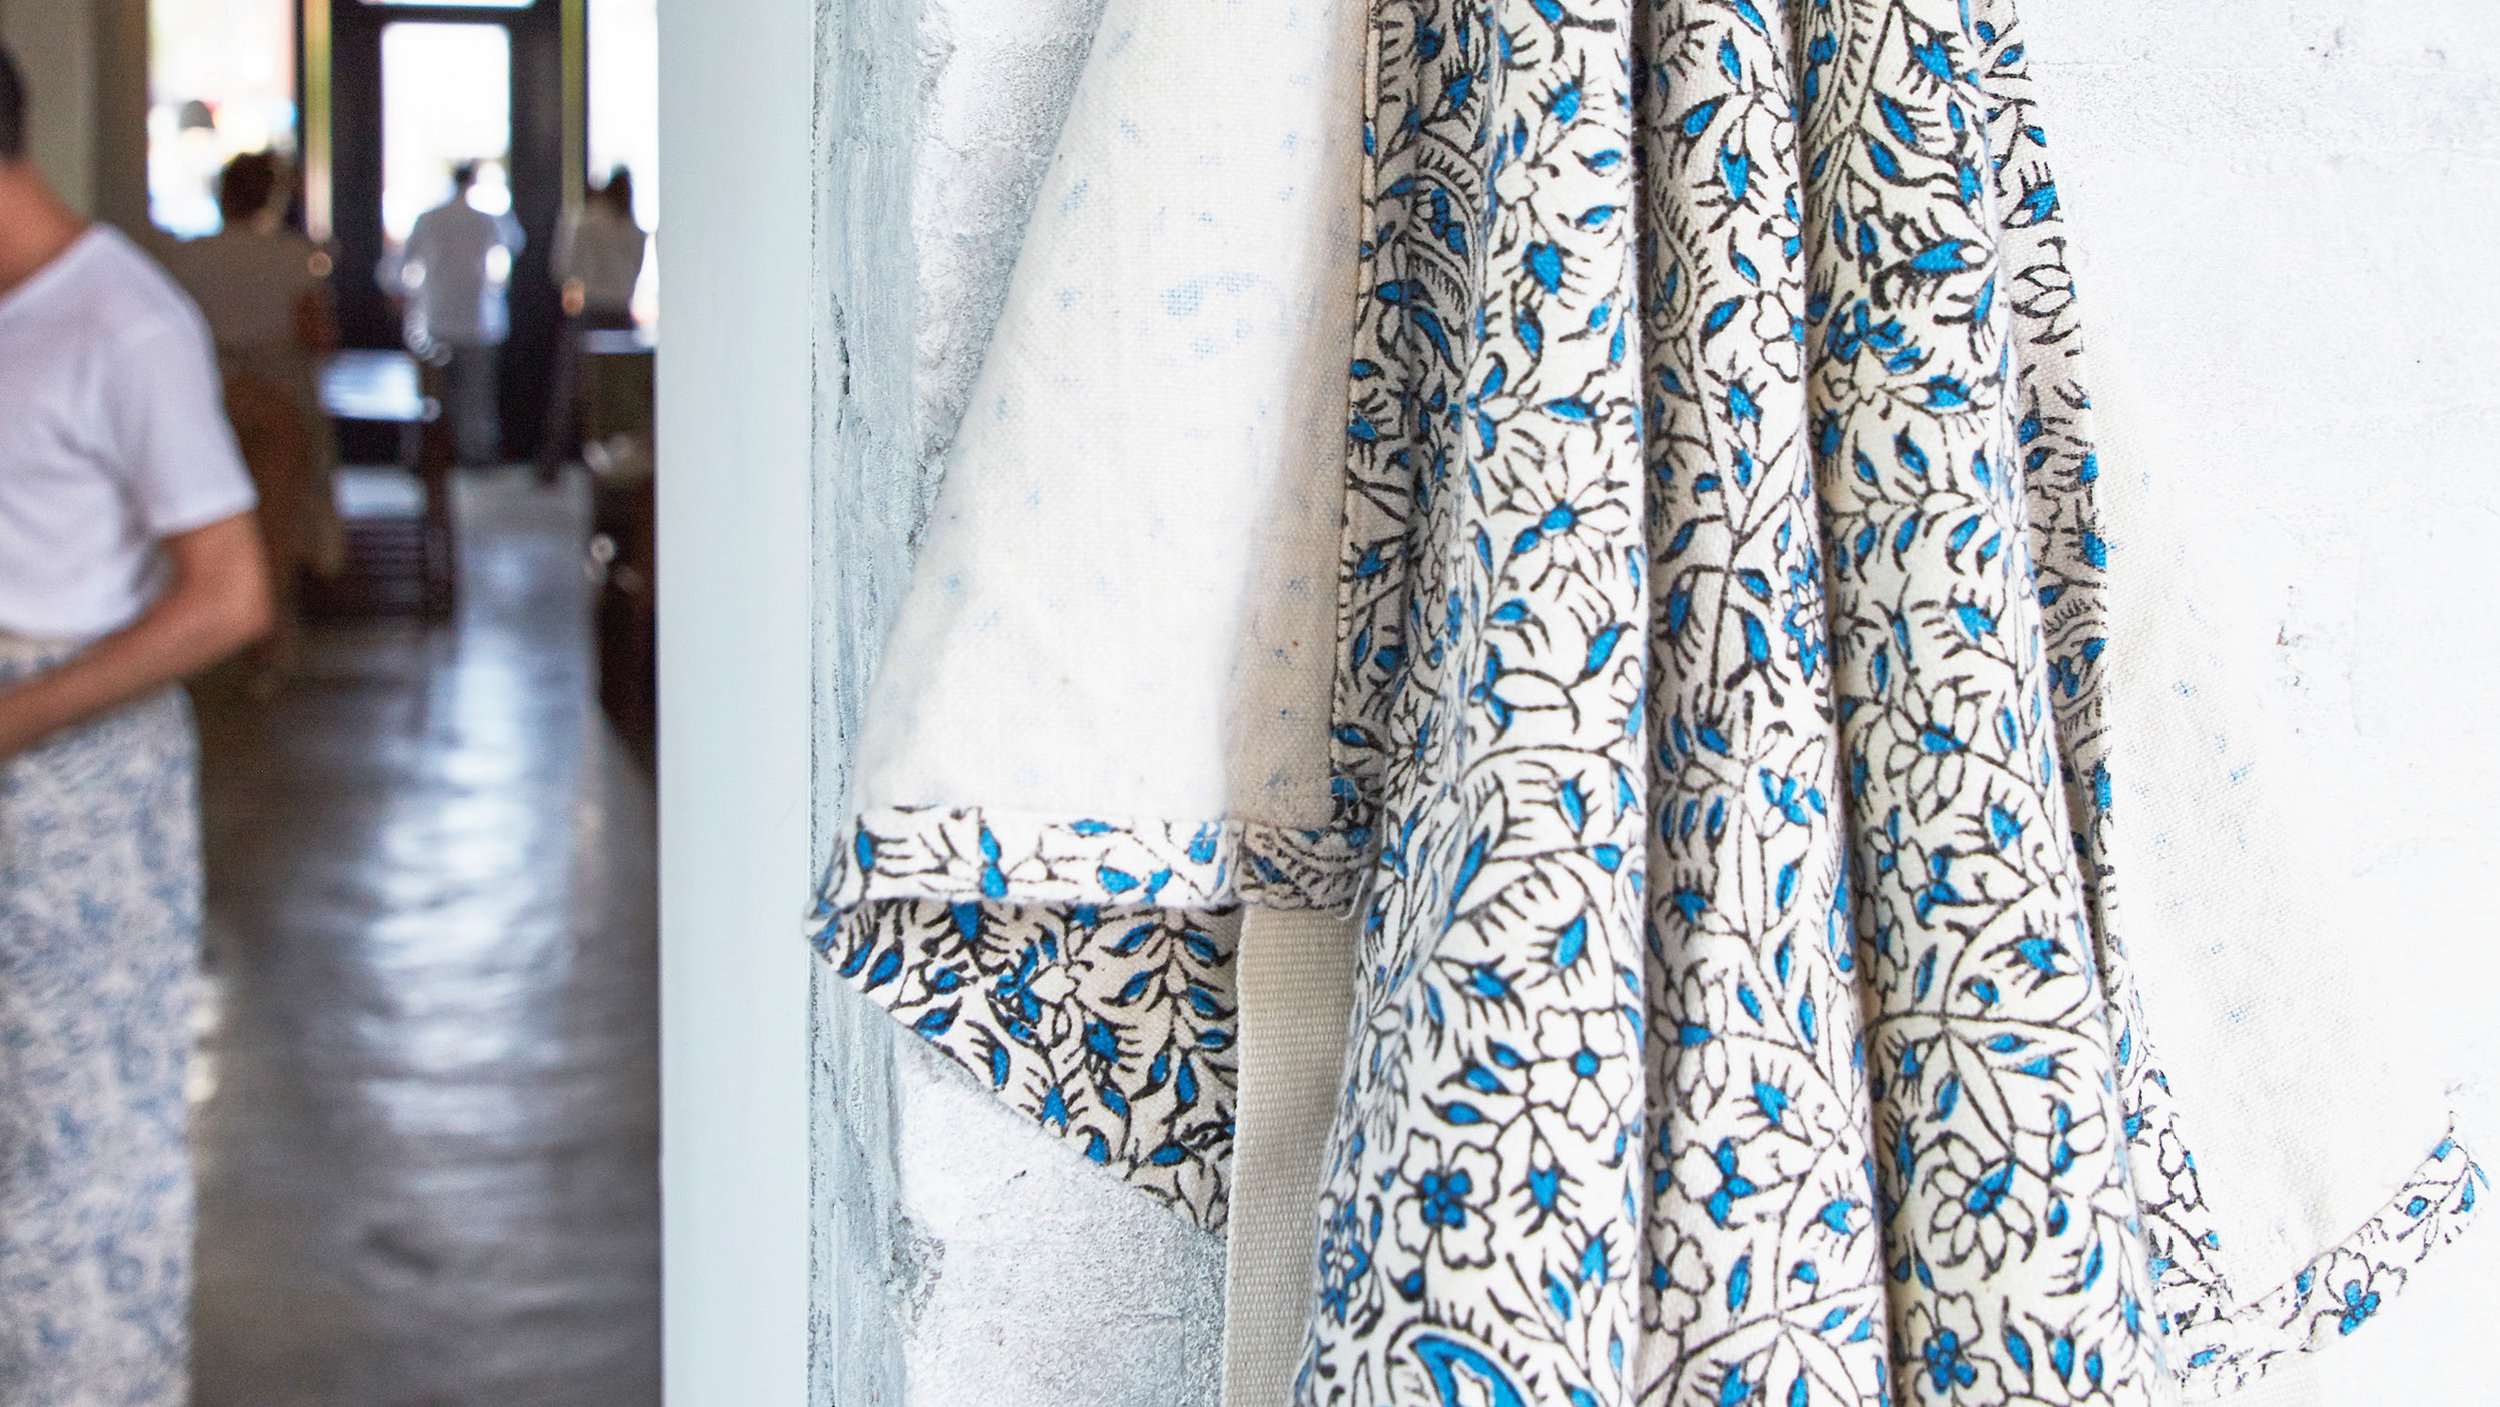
[540,165]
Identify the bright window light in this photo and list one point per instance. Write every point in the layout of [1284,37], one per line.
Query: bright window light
[446,99]
[625,120]
[221,82]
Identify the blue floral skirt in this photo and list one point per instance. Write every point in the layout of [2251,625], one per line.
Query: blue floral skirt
[99,927]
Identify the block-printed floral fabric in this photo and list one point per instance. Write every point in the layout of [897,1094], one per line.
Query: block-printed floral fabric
[2341,1289]
[2061,468]
[2012,1232]
[1792,329]
[1743,1014]
[1111,1026]
[99,927]
[967,853]
[1762,1234]
[1480,1223]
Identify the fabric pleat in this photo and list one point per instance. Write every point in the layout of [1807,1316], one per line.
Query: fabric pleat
[1717,723]
[2011,1230]
[1478,1211]
[1758,1084]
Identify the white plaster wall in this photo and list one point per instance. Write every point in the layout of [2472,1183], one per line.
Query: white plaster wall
[962,1256]
[2286,211]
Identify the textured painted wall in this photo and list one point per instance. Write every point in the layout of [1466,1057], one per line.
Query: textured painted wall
[2285,206]
[962,1256]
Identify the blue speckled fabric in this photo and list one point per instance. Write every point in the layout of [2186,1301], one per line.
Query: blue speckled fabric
[99,923]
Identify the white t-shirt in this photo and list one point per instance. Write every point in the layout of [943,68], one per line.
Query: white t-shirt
[452,296]
[113,435]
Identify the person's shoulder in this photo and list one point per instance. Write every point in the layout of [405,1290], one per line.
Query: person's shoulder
[253,259]
[206,256]
[271,244]
[133,308]
[457,215]
[279,251]
[125,294]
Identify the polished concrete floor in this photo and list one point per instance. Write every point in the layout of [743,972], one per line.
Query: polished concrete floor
[426,1112]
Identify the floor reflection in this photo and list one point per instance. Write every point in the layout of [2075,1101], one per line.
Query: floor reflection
[428,1114]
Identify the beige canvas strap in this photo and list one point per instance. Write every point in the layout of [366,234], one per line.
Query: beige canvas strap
[1295,979]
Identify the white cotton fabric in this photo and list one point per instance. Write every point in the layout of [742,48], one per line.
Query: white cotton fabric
[113,435]
[1148,477]
[2306,1091]
[1295,987]
[453,297]
[2291,1384]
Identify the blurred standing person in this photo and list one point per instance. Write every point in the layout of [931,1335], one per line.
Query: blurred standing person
[266,294]
[128,558]
[599,257]
[598,260]
[454,270]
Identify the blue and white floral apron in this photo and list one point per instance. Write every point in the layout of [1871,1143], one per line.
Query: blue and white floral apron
[99,927]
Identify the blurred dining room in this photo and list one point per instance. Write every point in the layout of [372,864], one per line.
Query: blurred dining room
[422,1084]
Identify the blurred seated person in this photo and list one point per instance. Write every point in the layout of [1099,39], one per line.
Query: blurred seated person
[598,260]
[265,292]
[128,559]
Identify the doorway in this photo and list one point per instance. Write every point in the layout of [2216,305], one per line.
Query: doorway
[414,88]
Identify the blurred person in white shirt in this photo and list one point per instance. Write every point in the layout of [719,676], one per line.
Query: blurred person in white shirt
[453,272]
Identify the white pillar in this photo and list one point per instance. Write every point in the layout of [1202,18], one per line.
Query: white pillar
[847,186]
[737,84]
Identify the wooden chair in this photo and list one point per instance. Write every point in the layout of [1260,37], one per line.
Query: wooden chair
[400,564]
